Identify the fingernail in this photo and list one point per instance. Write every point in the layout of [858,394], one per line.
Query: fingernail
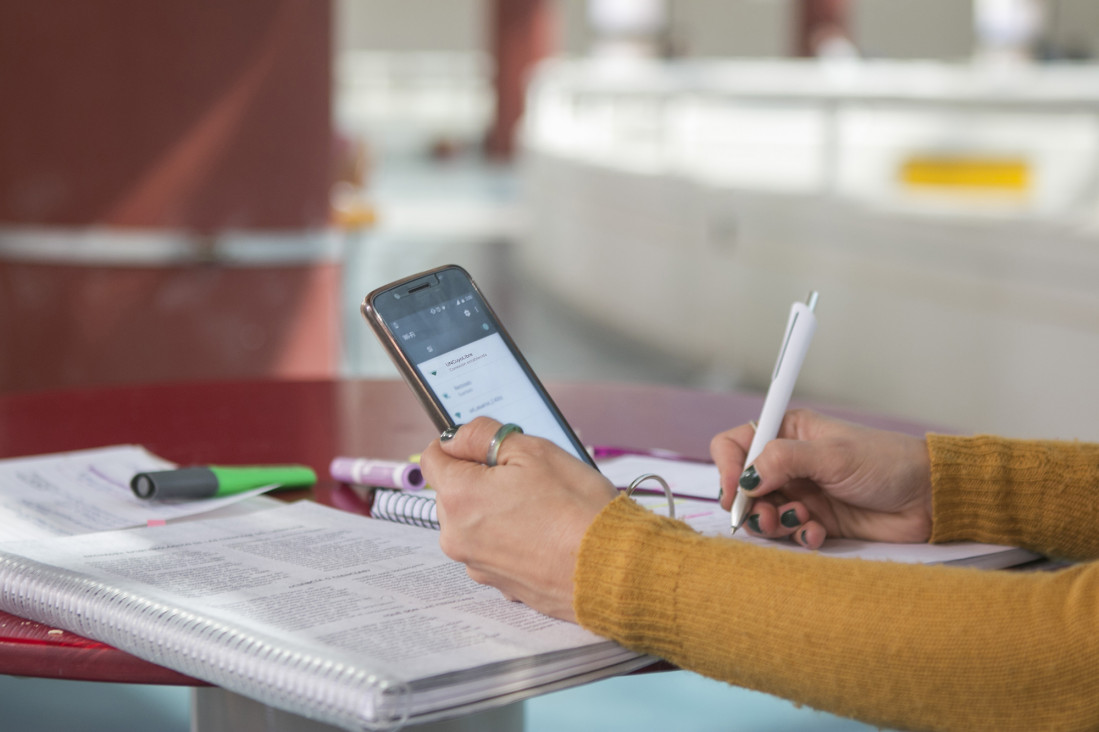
[448,434]
[790,518]
[753,523]
[804,540]
[749,479]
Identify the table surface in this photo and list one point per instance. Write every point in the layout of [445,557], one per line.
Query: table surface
[306,422]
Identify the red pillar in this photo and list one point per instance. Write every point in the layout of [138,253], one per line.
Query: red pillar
[195,115]
[521,35]
[185,119]
[815,18]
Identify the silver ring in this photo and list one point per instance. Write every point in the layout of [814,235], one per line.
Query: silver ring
[497,440]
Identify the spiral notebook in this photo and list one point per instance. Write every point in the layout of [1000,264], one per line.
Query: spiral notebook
[340,618]
[416,508]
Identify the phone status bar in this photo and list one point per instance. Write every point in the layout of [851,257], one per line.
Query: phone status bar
[443,327]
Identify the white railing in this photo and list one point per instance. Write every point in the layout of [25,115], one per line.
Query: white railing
[688,205]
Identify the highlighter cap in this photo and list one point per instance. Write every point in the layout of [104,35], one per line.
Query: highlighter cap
[178,483]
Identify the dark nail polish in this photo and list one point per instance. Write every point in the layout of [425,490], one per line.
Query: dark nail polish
[804,539]
[753,523]
[448,434]
[749,479]
[790,518]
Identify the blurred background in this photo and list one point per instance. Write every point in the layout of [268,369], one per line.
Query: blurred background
[206,190]
[642,187]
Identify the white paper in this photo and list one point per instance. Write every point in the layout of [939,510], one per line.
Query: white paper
[688,479]
[685,477]
[86,490]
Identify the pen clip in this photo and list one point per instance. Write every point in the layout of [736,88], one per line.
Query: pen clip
[811,305]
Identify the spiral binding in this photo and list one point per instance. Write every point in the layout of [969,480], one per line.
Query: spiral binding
[405,508]
[272,670]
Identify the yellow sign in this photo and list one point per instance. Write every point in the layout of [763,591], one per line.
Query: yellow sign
[967,173]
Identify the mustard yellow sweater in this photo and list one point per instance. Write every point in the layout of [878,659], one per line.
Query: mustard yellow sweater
[906,646]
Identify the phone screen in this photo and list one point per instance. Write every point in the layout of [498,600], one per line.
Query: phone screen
[446,332]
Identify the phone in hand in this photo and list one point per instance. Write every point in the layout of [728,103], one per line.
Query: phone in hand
[450,347]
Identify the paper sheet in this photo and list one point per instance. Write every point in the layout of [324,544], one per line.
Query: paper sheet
[693,479]
[78,492]
[685,477]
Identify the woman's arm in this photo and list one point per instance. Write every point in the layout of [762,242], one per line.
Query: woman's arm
[906,646]
[1039,494]
[898,645]
[895,645]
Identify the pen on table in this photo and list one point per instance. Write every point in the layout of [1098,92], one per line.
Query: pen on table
[218,480]
[795,343]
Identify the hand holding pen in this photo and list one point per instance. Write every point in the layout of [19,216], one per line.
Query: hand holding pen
[800,327]
[834,478]
[831,478]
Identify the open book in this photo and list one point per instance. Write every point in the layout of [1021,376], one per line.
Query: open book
[340,618]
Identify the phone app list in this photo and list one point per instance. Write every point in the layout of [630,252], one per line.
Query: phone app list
[483,378]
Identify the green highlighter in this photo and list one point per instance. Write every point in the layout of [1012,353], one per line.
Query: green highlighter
[218,480]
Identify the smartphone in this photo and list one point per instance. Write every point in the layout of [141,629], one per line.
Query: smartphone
[452,350]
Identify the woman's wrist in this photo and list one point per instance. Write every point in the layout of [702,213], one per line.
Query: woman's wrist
[925,485]
[617,548]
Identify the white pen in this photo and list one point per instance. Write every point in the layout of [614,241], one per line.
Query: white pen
[795,343]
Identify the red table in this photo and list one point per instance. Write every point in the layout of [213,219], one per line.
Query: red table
[305,422]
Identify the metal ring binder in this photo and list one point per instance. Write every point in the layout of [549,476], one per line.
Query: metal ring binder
[667,489]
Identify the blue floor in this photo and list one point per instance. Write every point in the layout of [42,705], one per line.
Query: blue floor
[48,705]
[676,700]
[661,701]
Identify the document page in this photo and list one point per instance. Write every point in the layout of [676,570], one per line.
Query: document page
[85,490]
[379,590]
[685,477]
[691,481]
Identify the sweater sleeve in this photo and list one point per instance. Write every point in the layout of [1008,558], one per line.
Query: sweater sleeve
[906,646]
[1040,495]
